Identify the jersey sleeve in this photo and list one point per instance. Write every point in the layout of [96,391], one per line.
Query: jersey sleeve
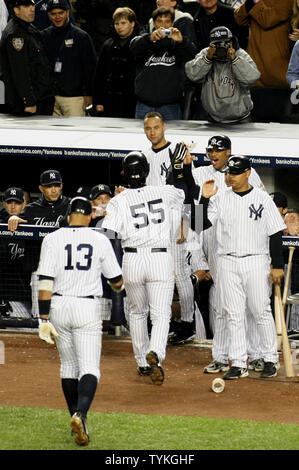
[109,264]
[46,265]
[113,220]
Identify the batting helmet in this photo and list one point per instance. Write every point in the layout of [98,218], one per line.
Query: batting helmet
[237,164]
[219,142]
[80,205]
[135,168]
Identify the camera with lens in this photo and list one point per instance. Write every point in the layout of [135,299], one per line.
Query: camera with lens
[221,37]
[166,32]
[221,51]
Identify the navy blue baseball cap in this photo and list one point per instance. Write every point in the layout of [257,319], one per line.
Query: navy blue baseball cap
[98,190]
[220,34]
[14,194]
[17,3]
[61,4]
[49,177]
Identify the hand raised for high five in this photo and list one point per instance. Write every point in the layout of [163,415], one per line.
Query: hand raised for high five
[208,189]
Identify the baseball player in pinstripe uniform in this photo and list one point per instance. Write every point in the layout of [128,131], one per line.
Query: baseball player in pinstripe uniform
[159,158]
[141,215]
[249,249]
[218,151]
[71,262]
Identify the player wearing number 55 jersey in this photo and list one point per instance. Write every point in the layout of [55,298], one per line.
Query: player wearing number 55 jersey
[141,215]
[71,263]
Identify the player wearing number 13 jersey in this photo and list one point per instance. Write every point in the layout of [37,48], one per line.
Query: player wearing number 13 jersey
[142,215]
[71,263]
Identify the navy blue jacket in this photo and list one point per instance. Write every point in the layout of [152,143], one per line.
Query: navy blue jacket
[74,48]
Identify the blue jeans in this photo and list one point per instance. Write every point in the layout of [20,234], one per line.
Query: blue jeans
[168,111]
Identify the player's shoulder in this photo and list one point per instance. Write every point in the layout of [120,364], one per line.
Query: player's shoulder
[202,171]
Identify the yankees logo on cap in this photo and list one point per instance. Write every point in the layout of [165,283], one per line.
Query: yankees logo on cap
[50,177]
[62,4]
[219,142]
[14,194]
[237,165]
[100,189]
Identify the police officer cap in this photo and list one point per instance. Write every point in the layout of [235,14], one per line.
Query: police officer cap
[219,34]
[17,3]
[237,164]
[14,194]
[49,177]
[100,189]
[61,4]
[80,205]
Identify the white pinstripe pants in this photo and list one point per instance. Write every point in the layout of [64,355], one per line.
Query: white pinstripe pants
[149,284]
[243,284]
[78,324]
[183,281]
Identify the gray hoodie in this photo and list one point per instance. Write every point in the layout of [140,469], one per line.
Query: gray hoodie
[225,94]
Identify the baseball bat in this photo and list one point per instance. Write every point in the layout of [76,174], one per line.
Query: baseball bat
[277,323]
[287,356]
[288,276]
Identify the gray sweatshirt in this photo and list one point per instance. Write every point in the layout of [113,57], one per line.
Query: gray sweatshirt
[225,94]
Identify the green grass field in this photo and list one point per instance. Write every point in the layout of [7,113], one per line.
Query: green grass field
[43,429]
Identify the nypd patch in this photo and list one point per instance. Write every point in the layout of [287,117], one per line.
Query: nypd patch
[18,43]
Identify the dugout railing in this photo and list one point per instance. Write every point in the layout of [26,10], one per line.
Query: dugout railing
[17,294]
[19,255]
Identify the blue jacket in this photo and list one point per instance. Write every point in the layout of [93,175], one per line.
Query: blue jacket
[74,49]
[293,68]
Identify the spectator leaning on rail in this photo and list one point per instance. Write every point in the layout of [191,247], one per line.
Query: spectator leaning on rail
[73,58]
[226,72]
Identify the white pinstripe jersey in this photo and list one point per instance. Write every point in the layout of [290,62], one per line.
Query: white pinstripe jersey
[76,257]
[159,162]
[142,217]
[244,223]
[205,173]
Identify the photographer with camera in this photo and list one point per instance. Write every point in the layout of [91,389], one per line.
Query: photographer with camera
[160,75]
[226,73]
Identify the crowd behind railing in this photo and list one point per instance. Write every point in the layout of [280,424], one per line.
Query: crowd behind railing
[221,61]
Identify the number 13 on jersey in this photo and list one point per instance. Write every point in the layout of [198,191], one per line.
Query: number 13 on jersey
[78,257]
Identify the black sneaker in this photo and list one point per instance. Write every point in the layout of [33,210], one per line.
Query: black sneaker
[184,332]
[257,365]
[156,371]
[215,367]
[270,370]
[144,370]
[236,373]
